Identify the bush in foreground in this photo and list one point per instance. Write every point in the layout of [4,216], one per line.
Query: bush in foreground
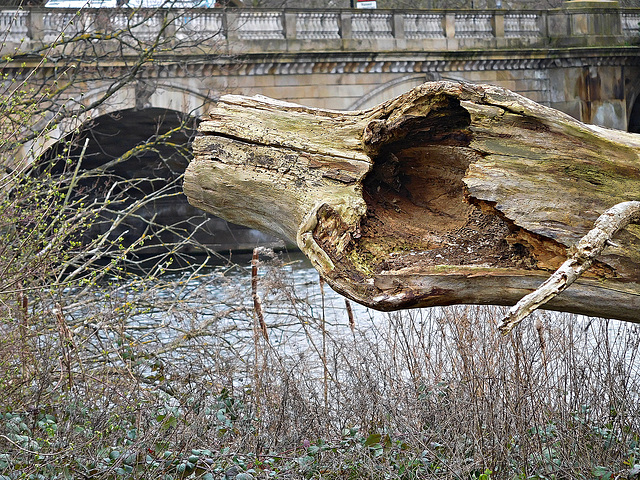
[173,378]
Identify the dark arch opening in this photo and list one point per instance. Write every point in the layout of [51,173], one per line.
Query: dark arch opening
[634,118]
[138,157]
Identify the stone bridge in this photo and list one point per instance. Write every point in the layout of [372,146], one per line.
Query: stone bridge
[583,58]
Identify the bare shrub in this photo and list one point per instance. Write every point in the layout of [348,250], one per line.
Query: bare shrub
[167,376]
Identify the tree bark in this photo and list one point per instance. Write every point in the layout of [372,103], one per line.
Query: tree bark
[451,193]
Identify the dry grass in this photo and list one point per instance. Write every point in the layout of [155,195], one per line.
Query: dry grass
[171,376]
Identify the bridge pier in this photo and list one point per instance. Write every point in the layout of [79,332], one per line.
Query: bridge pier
[591,94]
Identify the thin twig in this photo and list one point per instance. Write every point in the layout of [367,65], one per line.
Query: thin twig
[54,454]
[324,345]
[257,304]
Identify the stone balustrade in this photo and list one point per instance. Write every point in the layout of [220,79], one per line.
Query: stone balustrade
[317,25]
[15,24]
[474,25]
[630,24]
[264,31]
[424,25]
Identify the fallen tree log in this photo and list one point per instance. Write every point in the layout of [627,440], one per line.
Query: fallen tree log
[451,193]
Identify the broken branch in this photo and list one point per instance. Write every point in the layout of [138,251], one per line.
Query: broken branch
[451,193]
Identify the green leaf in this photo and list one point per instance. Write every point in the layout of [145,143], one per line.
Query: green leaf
[601,472]
[372,439]
[244,476]
[169,422]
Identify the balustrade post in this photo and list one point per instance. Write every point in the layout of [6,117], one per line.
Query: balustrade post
[450,25]
[593,17]
[557,25]
[35,25]
[345,25]
[586,22]
[398,25]
[497,24]
[171,19]
[290,25]
[543,25]
[231,26]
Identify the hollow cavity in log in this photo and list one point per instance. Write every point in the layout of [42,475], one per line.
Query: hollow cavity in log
[419,213]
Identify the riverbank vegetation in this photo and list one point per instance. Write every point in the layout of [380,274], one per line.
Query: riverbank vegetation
[173,377]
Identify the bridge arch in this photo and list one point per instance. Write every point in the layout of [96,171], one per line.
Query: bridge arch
[131,162]
[633,109]
[398,86]
[391,89]
[135,96]
[634,117]
[132,121]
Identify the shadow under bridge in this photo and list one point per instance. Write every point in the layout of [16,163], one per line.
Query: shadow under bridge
[133,163]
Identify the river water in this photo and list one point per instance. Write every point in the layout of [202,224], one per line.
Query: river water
[207,320]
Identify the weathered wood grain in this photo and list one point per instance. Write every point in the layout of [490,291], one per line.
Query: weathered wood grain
[451,193]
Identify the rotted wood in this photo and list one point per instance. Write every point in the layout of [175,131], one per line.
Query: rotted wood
[451,193]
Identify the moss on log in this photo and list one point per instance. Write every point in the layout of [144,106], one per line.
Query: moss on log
[450,193]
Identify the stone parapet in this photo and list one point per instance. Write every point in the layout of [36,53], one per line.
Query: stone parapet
[242,31]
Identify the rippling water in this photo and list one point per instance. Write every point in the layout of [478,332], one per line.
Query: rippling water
[297,307]
[208,319]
